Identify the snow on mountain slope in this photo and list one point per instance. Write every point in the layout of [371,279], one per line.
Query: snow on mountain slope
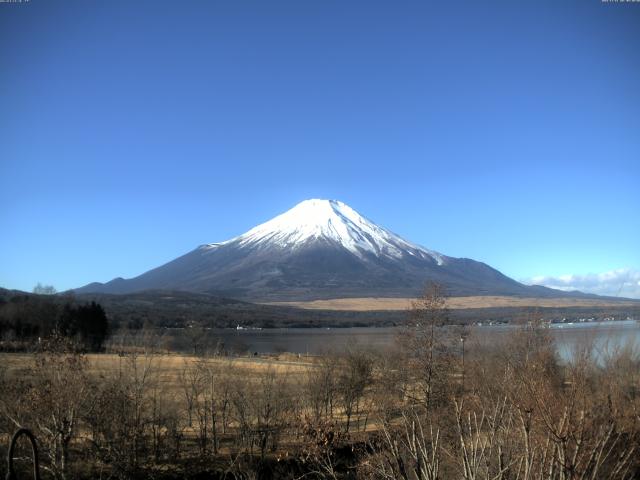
[319,249]
[333,221]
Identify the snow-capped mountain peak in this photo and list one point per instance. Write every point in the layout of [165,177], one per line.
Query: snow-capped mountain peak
[320,249]
[332,221]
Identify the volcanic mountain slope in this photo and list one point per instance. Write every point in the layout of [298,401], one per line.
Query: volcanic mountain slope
[320,249]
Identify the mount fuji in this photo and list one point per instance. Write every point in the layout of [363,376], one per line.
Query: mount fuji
[320,249]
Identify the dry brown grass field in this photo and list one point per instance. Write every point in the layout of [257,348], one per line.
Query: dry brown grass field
[165,381]
[392,304]
[426,404]
[167,366]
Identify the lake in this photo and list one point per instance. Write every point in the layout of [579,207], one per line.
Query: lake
[606,336]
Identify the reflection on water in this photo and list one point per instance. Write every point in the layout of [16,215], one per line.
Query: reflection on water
[605,336]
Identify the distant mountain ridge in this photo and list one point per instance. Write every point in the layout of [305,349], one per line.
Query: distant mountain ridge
[320,249]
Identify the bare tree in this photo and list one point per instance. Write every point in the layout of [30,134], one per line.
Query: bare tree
[321,385]
[409,450]
[272,406]
[125,411]
[189,380]
[41,289]
[428,350]
[57,397]
[354,376]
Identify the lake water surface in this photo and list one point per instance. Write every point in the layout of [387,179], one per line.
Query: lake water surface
[605,336]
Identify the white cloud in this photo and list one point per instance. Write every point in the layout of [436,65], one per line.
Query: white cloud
[624,282]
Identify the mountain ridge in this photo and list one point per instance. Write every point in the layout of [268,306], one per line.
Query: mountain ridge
[320,249]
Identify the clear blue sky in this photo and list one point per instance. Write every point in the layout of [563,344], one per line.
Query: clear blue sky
[133,131]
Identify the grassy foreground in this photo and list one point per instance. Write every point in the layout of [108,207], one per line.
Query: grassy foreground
[425,410]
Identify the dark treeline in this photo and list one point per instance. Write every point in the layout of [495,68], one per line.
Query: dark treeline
[181,309]
[26,320]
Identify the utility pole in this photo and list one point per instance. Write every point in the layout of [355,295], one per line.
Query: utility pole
[462,339]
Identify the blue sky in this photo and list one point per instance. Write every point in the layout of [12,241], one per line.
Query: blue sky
[131,132]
